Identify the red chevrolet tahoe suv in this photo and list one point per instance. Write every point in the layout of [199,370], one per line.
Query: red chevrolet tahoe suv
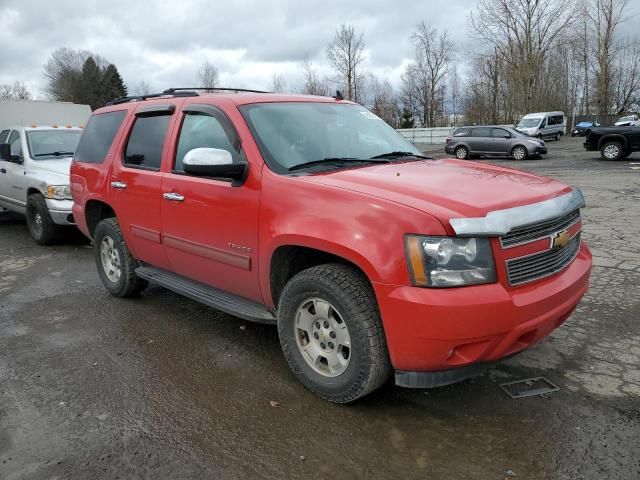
[312,214]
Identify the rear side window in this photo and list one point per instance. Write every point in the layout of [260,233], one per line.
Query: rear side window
[144,148]
[461,132]
[480,132]
[98,136]
[499,133]
[3,135]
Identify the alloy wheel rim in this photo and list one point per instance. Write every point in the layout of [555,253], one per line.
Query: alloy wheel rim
[518,153]
[110,259]
[37,222]
[611,151]
[461,153]
[322,337]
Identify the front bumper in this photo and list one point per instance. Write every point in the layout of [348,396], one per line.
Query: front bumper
[440,330]
[61,211]
[589,146]
[537,149]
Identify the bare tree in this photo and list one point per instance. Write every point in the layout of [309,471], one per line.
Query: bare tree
[424,79]
[141,88]
[523,33]
[346,54]
[385,104]
[17,91]
[605,16]
[208,76]
[63,72]
[313,84]
[625,90]
[278,83]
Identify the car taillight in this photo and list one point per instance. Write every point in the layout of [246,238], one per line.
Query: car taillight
[447,140]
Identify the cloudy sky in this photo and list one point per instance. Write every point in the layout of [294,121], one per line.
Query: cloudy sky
[164,43]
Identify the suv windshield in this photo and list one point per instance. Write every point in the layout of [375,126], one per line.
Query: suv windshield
[291,134]
[529,122]
[47,144]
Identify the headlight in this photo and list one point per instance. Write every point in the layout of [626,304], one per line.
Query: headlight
[59,192]
[449,261]
[535,142]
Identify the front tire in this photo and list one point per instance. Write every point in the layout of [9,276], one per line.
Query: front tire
[116,265]
[461,153]
[611,151]
[519,152]
[39,222]
[331,333]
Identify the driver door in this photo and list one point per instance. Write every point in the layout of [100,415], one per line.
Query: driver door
[209,226]
[12,174]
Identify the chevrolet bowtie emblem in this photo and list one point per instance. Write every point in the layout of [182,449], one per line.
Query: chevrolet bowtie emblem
[560,239]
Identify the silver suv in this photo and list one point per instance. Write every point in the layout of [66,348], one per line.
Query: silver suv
[467,142]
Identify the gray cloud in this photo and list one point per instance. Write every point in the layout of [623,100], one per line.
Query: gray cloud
[164,44]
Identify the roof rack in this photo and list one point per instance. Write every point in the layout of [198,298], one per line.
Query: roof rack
[178,92]
[172,91]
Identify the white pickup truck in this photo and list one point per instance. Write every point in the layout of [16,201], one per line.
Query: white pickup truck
[34,176]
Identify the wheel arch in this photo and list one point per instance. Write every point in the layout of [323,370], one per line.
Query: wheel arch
[95,211]
[290,258]
[615,137]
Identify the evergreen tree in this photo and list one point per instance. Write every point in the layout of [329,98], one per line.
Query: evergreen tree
[407,120]
[91,81]
[112,85]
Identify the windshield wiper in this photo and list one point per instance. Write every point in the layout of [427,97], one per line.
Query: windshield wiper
[336,160]
[53,154]
[394,155]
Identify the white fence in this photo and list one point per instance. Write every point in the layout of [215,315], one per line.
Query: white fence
[431,136]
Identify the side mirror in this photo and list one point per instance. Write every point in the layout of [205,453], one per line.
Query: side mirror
[506,135]
[5,151]
[214,162]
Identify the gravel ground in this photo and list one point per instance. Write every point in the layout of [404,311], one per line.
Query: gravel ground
[161,387]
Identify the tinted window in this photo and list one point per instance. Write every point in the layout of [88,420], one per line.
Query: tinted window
[461,132]
[480,132]
[499,133]
[3,135]
[15,143]
[200,131]
[555,120]
[144,148]
[98,136]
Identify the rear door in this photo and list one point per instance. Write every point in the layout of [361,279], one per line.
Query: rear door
[210,227]
[479,140]
[135,181]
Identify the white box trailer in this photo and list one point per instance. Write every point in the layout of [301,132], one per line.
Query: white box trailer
[19,113]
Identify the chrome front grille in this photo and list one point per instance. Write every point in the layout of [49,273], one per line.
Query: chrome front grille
[531,233]
[539,265]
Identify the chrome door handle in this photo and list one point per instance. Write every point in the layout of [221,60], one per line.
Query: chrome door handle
[119,185]
[175,197]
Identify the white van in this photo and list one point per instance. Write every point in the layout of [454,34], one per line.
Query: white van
[543,124]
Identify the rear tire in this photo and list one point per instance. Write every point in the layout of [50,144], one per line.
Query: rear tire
[41,227]
[331,333]
[611,151]
[461,153]
[557,137]
[519,152]
[116,265]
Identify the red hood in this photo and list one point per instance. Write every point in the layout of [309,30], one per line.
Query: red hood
[446,188]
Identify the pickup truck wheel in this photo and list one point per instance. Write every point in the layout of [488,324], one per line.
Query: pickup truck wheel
[519,152]
[461,153]
[115,263]
[331,333]
[41,227]
[611,151]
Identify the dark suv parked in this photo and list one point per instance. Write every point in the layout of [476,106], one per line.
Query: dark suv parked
[467,142]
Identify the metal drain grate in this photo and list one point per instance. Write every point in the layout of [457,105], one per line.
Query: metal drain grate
[528,387]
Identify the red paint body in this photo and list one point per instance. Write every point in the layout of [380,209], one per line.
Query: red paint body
[360,214]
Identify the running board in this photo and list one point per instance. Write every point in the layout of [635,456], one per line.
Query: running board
[212,297]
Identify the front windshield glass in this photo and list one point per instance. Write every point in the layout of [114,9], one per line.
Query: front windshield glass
[291,134]
[625,119]
[529,122]
[48,144]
